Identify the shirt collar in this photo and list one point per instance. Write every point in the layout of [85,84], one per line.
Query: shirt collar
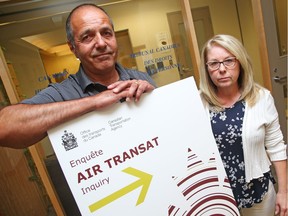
[84,80]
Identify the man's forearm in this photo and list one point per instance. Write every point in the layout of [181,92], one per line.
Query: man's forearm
[22,125]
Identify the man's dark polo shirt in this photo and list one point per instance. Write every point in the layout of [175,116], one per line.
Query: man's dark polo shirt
[79,85]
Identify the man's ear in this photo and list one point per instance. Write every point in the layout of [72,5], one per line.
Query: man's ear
[72,48]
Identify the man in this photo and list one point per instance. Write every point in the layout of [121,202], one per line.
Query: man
[99,83]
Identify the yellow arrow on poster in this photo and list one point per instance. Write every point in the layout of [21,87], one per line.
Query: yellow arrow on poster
[144,181]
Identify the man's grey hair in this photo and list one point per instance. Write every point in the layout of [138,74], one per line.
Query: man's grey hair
[69,30]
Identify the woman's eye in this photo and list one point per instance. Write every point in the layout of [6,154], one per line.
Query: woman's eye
[213,64]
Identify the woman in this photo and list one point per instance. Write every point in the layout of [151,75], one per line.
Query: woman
[245,125]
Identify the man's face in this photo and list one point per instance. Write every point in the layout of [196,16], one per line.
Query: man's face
[95,42]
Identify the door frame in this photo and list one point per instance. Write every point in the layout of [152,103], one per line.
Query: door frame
[191,38]
[268,54]
[34,149]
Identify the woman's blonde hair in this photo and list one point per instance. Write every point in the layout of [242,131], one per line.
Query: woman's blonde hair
[248,88]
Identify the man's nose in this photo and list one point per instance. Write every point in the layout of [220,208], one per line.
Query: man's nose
[99,41]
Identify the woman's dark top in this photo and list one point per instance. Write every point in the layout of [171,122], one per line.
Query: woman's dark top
[227,130]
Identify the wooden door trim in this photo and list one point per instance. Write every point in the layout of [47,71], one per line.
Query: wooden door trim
[191,37]
[45,178]
[260,29]
[7,80]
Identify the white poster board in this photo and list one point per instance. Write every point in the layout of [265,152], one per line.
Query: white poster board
[154,157]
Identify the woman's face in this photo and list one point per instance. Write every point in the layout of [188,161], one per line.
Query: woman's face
[223,68]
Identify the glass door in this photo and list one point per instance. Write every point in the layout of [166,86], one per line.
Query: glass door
[21,189]
[203,28]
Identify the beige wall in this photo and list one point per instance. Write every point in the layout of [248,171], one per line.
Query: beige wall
[56,64]
[146,20]
[250,40]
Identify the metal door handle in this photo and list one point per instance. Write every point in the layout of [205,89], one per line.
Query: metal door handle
[279,79]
